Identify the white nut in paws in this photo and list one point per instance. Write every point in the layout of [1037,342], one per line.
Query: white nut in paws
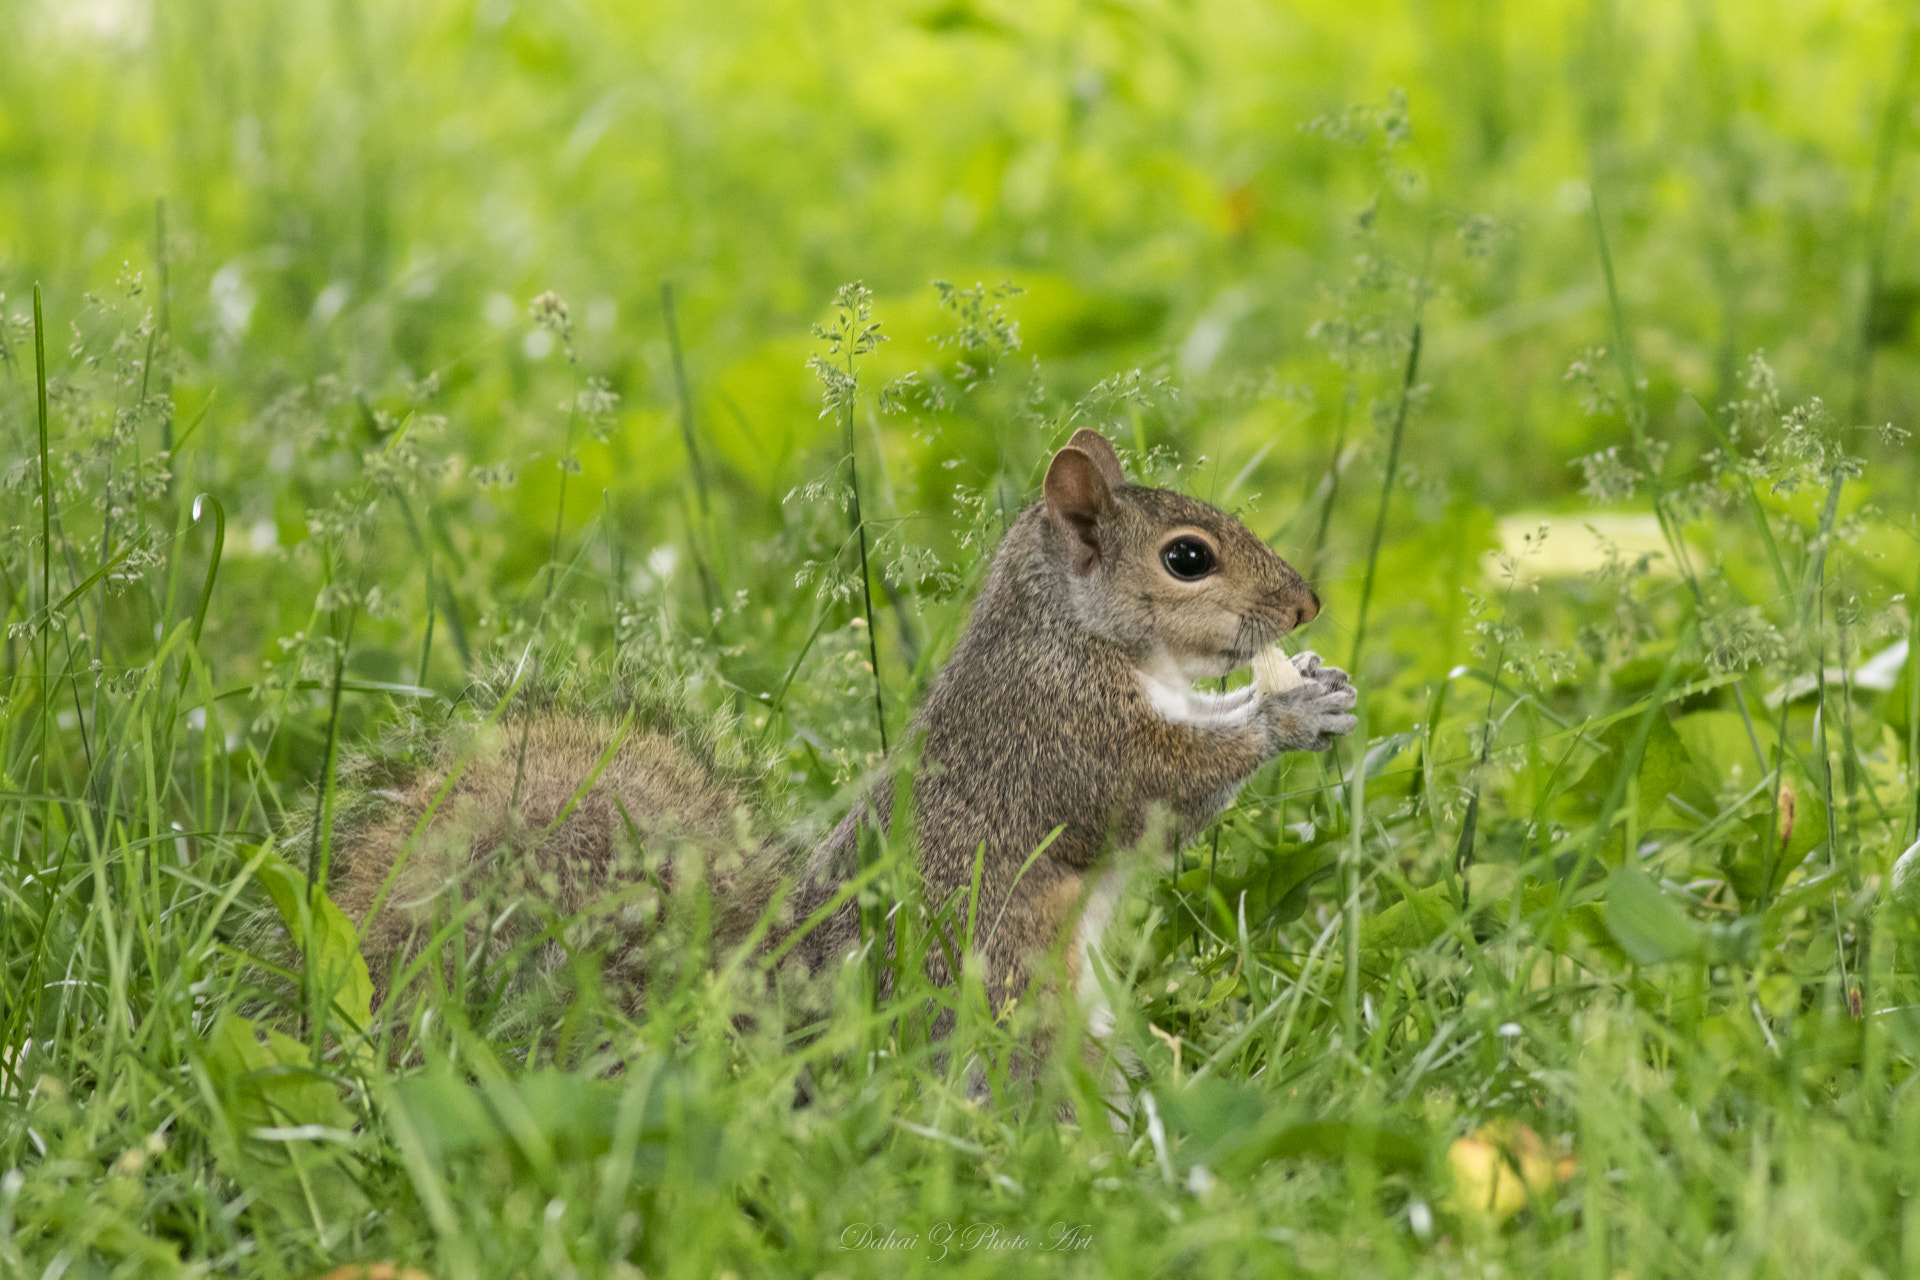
[1274,672]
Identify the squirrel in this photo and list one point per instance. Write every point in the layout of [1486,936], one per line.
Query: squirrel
[1068,705]
[1066,717]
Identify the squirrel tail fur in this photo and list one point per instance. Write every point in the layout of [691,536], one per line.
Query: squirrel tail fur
[553,834]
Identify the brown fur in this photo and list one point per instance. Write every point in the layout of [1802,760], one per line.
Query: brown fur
[488,846]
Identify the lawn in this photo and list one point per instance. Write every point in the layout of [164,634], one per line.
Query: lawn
[366,369]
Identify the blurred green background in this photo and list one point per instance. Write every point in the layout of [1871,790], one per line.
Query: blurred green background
[1233,212]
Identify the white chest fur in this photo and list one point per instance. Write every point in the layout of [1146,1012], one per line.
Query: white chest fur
[1172,697]
[1093,951]
[1092,947]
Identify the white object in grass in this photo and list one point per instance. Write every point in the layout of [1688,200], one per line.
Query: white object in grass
[1274,672]
[1905,878]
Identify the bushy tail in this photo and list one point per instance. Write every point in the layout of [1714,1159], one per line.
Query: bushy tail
[562,839]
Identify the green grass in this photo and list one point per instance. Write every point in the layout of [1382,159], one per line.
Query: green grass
[1611,872]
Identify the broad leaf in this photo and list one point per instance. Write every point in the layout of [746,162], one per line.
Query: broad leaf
[326,938]
[1649,925]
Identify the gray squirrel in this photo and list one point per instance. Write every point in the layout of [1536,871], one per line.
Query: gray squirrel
[1066,716]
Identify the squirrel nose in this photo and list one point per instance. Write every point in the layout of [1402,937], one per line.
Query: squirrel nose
[1309,611]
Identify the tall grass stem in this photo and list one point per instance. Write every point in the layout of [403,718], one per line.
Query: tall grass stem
[1332,484]
[1352,860]
[46,558]
[866,574]
[1407,378]
[1913,705]
[703,544]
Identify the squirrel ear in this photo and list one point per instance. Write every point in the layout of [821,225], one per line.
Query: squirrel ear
[1100,449]
[1078,498]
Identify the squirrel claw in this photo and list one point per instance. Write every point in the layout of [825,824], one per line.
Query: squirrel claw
[1322,695]
[1332,677]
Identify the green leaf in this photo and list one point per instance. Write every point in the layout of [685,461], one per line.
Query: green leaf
[567,1116]
[1215,1115]
[1390,1147]
[1721,756]
[270,1084]
[1639,675]
[1648,924]
[1223,988]
[1666,767]
[1384,754]
[1897,708]
[1410,922]
[1276,890]
[1720,752]
[1733,941]
[288,1135]
[1293,904]
[326,937]
[1233,1128]
[1745,862]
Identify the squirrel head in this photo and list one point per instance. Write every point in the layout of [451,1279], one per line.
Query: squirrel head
[1169,578]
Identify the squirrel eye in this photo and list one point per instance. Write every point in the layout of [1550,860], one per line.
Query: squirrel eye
[1188,558]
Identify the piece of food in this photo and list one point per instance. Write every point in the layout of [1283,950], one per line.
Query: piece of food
[1274,672]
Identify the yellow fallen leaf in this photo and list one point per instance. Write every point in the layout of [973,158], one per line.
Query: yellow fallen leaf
[1499,1167]
[1483,1184]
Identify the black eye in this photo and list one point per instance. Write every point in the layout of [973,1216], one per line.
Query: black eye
[1188,558]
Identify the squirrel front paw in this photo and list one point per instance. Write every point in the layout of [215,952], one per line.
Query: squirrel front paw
[1311,716]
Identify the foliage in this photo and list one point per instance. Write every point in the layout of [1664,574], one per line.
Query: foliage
[385,357]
